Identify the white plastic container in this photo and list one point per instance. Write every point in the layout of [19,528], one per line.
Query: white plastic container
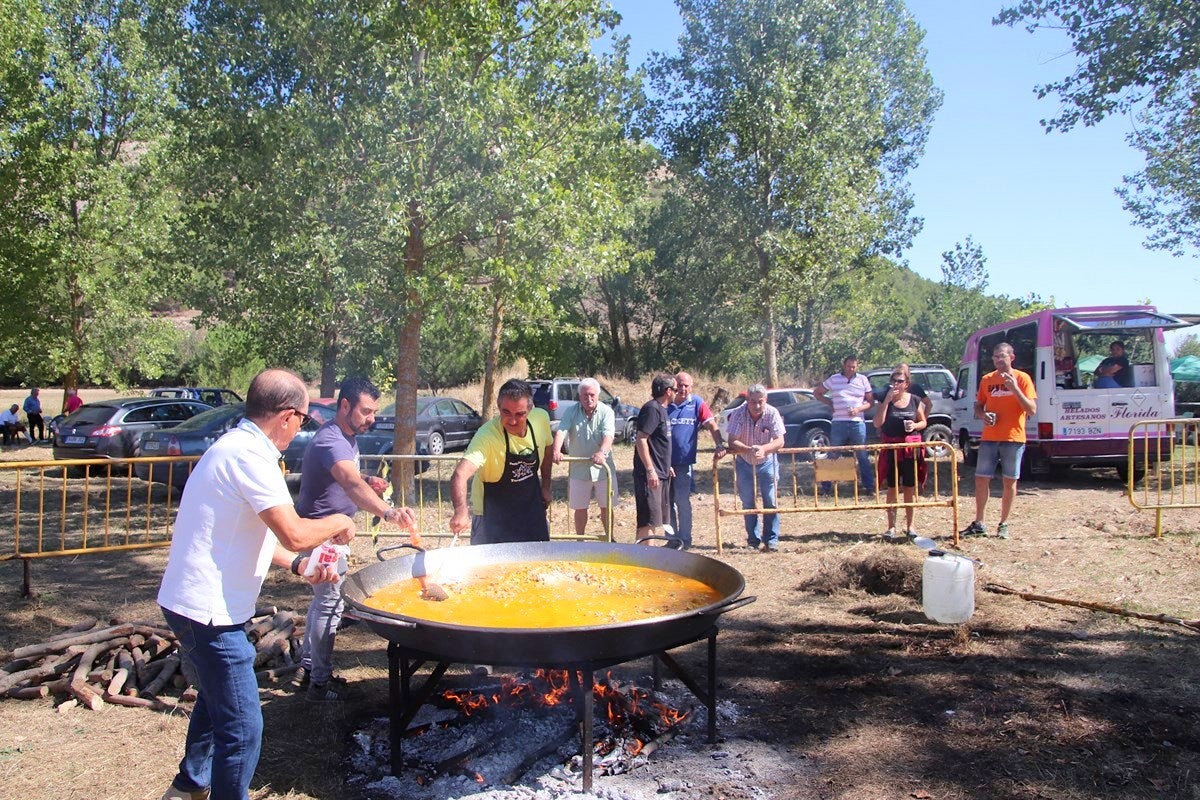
[948,587]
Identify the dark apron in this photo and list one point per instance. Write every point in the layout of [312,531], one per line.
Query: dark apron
[513,510]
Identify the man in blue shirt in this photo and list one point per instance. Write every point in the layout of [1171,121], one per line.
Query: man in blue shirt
[33,411]
[688,414]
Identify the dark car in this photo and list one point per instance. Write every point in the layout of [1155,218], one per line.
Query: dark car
[196,435]
[114,428]
[443,423]
[205,394]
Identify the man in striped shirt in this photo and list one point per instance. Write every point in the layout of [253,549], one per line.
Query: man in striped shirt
[755,433]
[850,396]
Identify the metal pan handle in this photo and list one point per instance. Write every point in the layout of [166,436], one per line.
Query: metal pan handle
[737,602]
[672,542]
[380,551]
[363,615]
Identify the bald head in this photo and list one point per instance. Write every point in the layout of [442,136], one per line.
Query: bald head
[274,390]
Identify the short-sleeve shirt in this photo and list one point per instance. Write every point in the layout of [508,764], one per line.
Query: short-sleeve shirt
[687,418]
[9,417]
[750,431]
[320,494]
[653,421]
[847,393]
[584,437]
[220,548]
[1123,376]
[914,389]
[1010,415]
[486,450]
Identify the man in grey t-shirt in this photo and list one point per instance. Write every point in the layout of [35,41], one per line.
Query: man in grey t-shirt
[331,483]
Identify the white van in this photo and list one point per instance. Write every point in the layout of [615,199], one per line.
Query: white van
[1077,422]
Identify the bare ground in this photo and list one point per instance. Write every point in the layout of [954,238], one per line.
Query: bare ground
[833,683]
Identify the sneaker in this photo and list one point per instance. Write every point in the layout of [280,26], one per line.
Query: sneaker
[753,545]
[891,536]
[974,529]
[1002,530]
[332,691]
[770,548]
[910,534]
[180,794]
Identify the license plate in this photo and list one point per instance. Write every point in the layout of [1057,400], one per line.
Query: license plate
[74,439]
[385,426]
[150,446]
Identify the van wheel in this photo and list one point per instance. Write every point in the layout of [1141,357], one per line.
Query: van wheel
[1139,472]
[970,455]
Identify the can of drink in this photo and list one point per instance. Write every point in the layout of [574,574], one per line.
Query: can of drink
[989,417]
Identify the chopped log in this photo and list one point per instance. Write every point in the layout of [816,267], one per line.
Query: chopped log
[275,673]
[1192,625]
[82,626]
[138,639]
[266,611]
[19,664]
[152,703]
[170,667]
[274,622]
[29,692]
[272,645]
[49,668]
[158,645]
[139,666]
[66,705]
[550,746]
[59,645]
[86,695]
[118,682]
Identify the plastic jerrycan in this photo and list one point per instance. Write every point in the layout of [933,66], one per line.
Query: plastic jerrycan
[948,587]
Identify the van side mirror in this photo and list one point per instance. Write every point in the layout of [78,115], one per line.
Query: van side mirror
[948,393]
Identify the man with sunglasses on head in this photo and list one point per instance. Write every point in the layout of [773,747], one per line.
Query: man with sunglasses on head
[331,482]
[235,520]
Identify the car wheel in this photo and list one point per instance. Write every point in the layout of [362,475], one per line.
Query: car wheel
[1139,472]
[437,443]
[938,433]
[631,430]
[816,436]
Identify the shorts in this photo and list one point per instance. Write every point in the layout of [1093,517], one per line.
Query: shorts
[1007,453]
[652,504]
[581,490]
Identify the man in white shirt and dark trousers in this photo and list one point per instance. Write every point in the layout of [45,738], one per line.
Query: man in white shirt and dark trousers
[235,520]
[850,396]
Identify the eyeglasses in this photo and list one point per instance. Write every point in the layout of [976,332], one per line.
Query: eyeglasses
[304,418]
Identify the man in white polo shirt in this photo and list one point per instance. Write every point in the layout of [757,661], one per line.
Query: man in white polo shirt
[235,519]
[851,397]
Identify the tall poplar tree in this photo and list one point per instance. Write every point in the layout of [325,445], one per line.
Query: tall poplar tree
[800,121]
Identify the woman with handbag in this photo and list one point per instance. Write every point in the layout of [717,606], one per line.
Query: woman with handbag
[900,418]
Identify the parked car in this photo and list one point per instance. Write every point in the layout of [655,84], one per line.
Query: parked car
[212,396]
[776,398]
[443,424]
[194,436]
[558,395]
[114,428]
[939,385]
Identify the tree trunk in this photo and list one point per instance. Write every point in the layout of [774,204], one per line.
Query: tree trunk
[493,353]
[770,336]
[408,349]
[329,354]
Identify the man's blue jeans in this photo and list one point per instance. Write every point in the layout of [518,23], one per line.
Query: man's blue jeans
[320,630]
[767,474]
[681,503]
[853,432]
[224,737]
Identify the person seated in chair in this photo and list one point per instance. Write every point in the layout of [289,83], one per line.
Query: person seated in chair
[1114,372]
[10,425]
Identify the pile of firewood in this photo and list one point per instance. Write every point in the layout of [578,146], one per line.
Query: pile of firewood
[137,663]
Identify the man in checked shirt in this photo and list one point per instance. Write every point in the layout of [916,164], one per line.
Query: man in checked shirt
[755,433]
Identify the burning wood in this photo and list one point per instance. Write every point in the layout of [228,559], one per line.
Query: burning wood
[134,663]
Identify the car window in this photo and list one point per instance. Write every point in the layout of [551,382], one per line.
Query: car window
[938,382]
[443,409]
[90,415]
[778,399]
[462,408]
[143,414]
[224,416]
[568,391]
[880,380]
[606,397]
[541,393]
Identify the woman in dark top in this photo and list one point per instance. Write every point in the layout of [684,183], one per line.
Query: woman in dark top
[900,416]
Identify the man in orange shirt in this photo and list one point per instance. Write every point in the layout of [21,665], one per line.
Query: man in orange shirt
[1006,396]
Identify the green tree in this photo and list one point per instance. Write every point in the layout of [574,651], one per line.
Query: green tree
[803,119]
[1139,59]
[84,206]
[962,306]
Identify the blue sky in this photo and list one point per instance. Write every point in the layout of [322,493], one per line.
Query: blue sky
[1041,205]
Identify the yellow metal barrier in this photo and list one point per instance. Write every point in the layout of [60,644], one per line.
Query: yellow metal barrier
[75,507]
[1169,452]
[938,492]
